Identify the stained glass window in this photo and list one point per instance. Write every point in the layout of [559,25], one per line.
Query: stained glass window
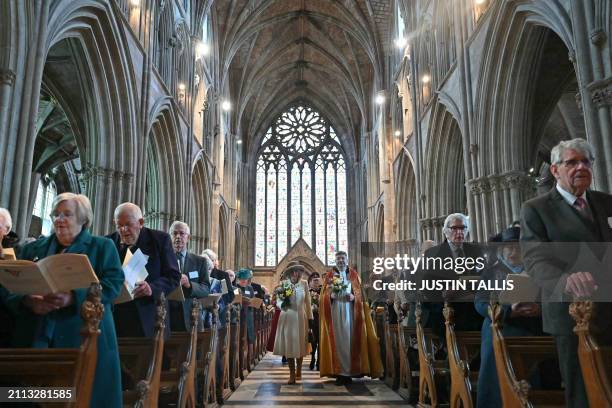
[300,188]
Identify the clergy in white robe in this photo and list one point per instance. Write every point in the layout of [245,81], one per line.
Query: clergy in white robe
[348,342]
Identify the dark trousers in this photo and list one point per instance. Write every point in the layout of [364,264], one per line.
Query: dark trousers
[567,349]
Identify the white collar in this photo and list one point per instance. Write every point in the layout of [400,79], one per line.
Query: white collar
[569,197]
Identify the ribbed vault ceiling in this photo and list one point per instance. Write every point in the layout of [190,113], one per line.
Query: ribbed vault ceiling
[327,53]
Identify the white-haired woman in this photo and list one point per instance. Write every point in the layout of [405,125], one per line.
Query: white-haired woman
[8,239]
[54,320]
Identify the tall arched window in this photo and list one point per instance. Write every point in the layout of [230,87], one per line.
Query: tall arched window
[300,188]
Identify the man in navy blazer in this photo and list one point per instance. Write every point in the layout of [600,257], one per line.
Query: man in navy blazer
[164,275]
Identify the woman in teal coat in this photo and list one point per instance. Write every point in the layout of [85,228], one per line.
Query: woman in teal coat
[54,320]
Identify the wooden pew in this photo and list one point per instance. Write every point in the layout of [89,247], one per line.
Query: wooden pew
[461,387]
[207,354]
[243,350]
[595,361]
[66,368]
[407,388]
[223,389]
[235,374]
[141,362]
[178,381]
[429,368]
[515,358]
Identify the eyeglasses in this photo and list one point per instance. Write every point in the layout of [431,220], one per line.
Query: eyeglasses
[62,215]
[458,228]
[570,164]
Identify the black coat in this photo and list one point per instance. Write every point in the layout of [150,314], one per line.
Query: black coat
[163,269]
[466,316]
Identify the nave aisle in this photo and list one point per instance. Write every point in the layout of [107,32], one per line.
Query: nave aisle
[267,386]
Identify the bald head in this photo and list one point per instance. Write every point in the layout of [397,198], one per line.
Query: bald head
[129,222]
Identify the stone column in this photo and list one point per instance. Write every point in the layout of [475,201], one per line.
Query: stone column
[498,202]
[19,98]
[475,219]
[591,26]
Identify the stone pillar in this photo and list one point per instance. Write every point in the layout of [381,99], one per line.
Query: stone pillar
[498,202]
[476,219]
[19,98]
[591,28]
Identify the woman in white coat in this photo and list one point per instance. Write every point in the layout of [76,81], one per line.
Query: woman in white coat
[292,331]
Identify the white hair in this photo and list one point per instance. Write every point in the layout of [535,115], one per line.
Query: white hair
[210,254]
[7,218]
[131,209]
[209,262]
[577,144]
[176,224]
[453,217]
[84,213]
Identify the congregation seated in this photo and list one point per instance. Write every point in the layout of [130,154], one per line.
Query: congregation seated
[53,320]
[162,267]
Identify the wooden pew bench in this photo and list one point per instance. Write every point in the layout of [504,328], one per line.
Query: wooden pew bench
[516,358]
[207,358]
[461,348]
[66,368]
[141,363]
[595,361]
[430,370]
[235,374]
[178,380]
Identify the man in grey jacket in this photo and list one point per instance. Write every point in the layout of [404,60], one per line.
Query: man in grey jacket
[195,281]
[556,230]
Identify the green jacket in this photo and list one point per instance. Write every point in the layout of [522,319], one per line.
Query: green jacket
[61,328]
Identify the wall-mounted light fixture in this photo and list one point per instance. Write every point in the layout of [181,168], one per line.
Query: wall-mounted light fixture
[426,79]
[398,133]
[202,49]
[226,105]
[380,98]
[401,42]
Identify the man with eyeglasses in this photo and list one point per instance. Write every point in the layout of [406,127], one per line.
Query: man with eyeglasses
[456,229]
[137,317]
[572,214]
[195,282]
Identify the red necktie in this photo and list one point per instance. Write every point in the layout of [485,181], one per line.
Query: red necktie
[581,205]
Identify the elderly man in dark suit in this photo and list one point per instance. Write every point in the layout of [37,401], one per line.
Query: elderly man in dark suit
[195,281]
[569,213]
[164,275]
[456,229]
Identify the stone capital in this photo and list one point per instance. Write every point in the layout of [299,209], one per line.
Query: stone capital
[7,77]
[601,92]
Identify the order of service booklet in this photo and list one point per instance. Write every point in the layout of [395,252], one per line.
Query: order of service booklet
[53,274]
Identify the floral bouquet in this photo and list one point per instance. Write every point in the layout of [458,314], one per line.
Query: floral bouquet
[338,287]
[283,293]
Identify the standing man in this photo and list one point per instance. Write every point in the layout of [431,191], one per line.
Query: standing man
[570,212]
[194,277]
[455,230]
[137,317]
[348,344]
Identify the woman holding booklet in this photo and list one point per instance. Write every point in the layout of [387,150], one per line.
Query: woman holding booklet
[53,319]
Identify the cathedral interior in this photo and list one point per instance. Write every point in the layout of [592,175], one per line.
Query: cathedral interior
[302,127]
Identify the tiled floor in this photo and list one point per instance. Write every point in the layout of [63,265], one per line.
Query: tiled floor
[267,386]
